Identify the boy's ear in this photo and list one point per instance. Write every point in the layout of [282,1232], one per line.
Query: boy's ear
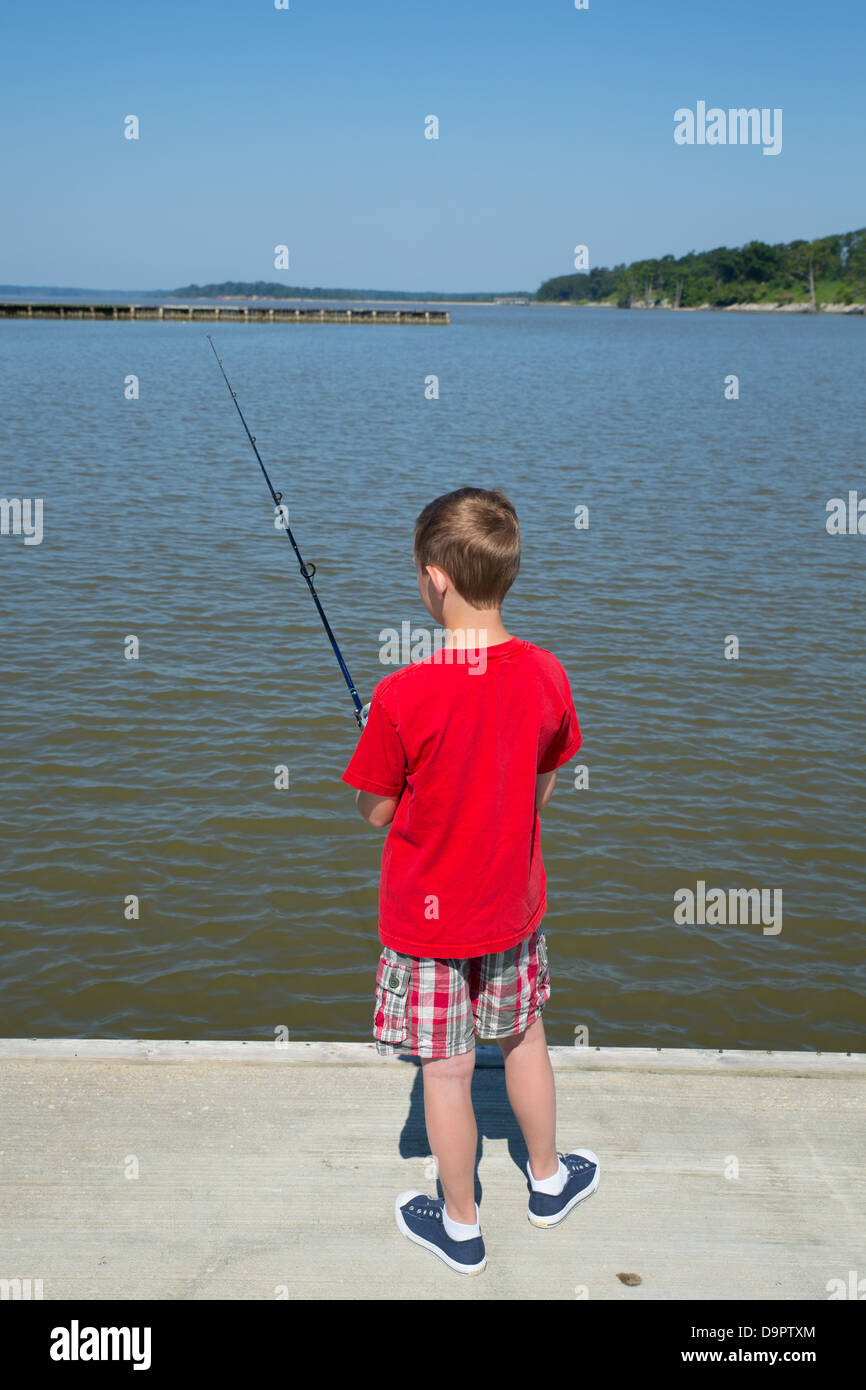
[439,579]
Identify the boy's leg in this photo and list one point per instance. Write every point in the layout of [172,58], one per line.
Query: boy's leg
[452,1131]
[532,1094]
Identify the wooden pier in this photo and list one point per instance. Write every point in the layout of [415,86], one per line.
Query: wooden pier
[217,313]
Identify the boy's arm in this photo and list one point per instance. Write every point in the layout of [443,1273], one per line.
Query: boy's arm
[377,769]
[562,746]
[377,810]
[544,784]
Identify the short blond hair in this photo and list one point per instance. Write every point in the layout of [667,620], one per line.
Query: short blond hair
[474,536]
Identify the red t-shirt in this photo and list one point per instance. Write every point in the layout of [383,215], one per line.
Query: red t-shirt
[461,746]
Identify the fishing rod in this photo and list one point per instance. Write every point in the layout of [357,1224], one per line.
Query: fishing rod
[307,571]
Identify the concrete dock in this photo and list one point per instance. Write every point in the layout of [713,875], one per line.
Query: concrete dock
[229,1170]
[219,313]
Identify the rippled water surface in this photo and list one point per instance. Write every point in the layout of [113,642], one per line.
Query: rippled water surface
[156,777]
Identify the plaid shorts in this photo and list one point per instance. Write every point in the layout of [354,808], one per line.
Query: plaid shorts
[435,1008]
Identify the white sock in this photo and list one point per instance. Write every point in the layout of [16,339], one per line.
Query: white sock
[552,1185]
[457,1230]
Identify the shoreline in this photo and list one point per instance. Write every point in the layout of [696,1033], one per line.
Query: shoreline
[747,307]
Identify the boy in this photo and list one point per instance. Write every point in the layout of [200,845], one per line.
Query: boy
[458,756]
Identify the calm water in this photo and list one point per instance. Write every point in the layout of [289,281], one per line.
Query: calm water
[155,777]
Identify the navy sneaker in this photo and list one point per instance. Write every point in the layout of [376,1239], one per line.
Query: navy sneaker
[583,1175]
[420,1218]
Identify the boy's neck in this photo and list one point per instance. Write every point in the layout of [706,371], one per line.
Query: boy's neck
[472,627]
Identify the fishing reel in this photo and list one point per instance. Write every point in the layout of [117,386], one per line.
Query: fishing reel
[363,714]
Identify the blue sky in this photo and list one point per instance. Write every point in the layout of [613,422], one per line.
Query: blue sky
[305,127]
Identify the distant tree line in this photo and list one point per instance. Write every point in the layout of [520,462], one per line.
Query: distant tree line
[829,270]
[265,289]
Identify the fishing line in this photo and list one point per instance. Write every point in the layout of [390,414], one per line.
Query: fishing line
[307,571]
